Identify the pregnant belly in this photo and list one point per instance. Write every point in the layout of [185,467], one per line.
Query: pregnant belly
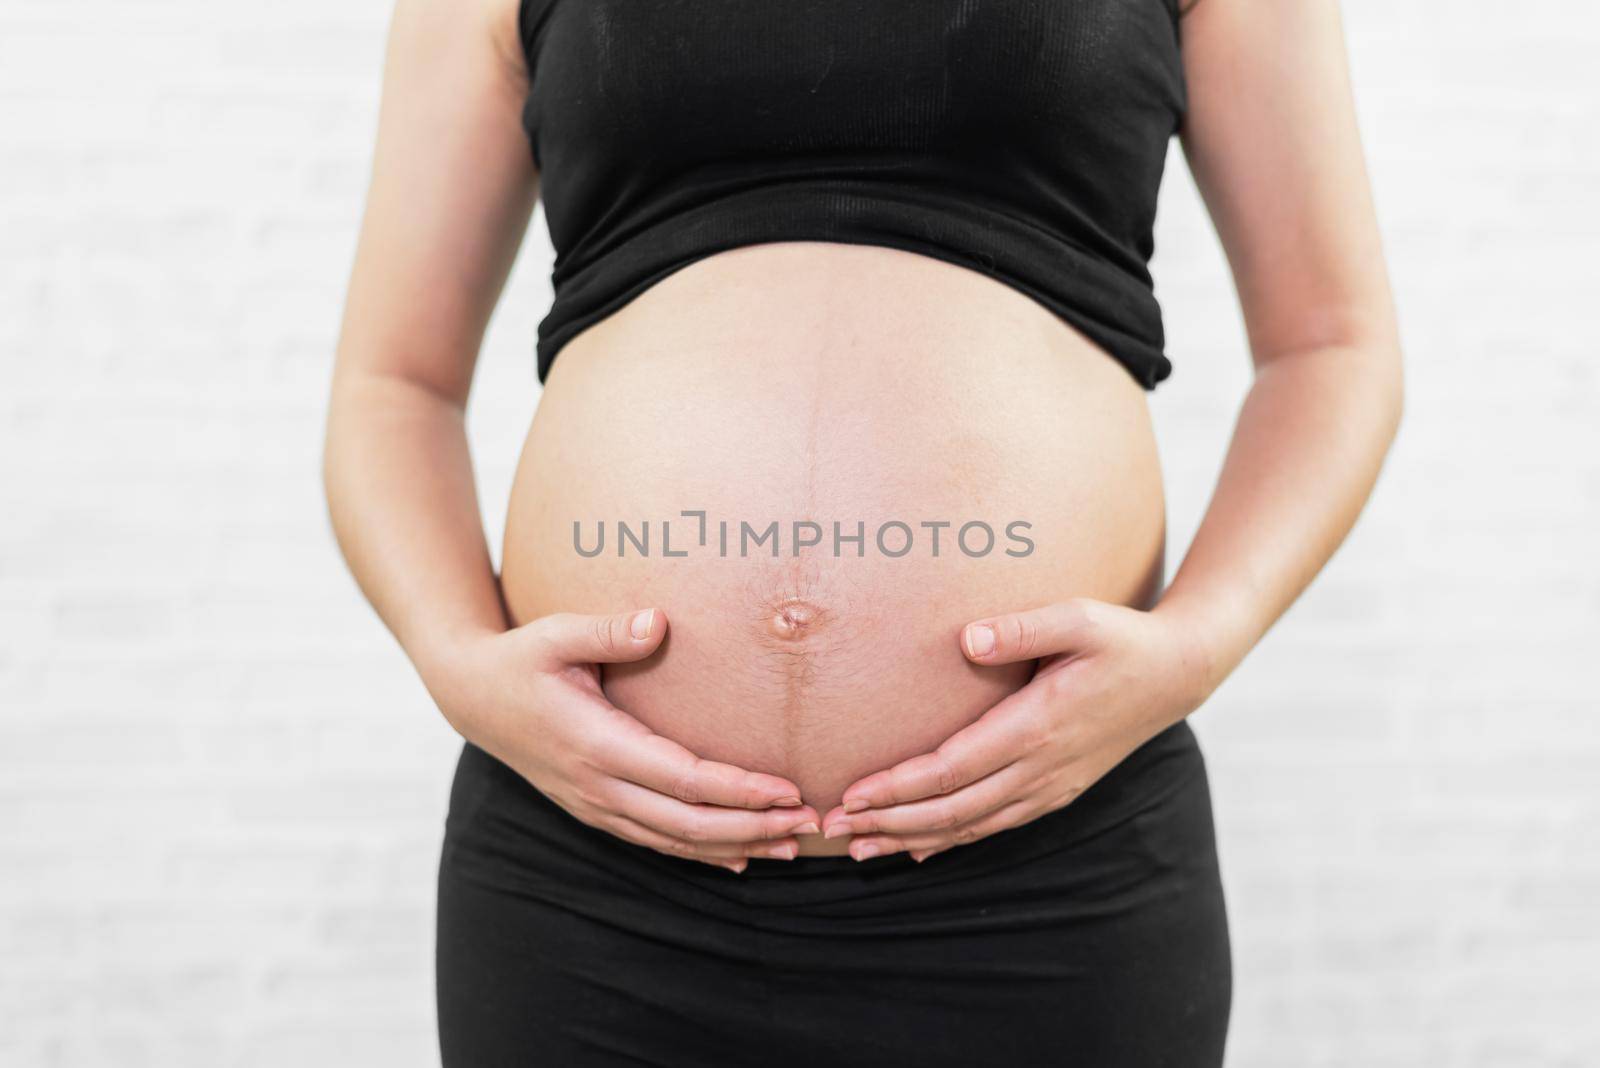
[821,461]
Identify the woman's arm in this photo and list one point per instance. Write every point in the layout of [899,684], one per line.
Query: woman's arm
[1272,142]
[1271,136]
[452,190]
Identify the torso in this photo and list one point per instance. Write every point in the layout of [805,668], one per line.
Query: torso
[830,383]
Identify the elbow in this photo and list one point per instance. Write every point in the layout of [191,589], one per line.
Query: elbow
[333,448]
[1374,371]
[1375,359]
[326,472]
[1391,388]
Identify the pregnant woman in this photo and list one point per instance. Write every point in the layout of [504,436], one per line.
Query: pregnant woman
[829,706]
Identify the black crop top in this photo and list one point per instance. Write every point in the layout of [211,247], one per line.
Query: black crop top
[1024,139]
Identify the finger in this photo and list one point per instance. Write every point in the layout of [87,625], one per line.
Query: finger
[708,824]
[1002,819]
[731,855]
[640,835]
[999,737]
[934,814]
[1056,628]
[570,638]
[650,760]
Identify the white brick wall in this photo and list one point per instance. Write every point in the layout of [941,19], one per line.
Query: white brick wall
[221,789]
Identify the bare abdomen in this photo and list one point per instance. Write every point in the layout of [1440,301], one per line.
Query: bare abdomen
[733,432]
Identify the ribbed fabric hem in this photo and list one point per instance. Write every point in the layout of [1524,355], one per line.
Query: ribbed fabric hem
[1110,306]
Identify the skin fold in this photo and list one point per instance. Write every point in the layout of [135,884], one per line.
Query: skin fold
[1035,680]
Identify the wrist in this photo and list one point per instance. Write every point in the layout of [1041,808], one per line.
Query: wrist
[444,660]
[442,639]
[1208,650]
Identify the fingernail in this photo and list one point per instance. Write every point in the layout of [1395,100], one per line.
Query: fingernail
[737,866]
[808,827]
[855,804]
[838,830]
[640,627]
[788,801]
[980,639]
[920,856]
[864,851]
[787,851]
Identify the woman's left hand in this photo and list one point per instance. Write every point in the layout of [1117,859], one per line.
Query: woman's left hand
[1109,679]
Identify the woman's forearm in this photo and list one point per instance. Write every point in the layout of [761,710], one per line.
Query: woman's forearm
[1306,452]
[404,506]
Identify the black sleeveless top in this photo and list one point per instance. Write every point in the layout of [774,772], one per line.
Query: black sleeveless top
[1024,139]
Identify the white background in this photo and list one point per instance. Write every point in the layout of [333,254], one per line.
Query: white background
[222,788]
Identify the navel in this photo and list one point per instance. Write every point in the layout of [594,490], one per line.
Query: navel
[794,619]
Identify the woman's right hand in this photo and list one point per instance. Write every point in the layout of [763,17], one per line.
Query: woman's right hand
[531,697]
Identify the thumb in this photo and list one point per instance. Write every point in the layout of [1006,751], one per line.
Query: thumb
[1056,628]
[571,638]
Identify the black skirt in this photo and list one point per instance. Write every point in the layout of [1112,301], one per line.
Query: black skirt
[1094,936]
